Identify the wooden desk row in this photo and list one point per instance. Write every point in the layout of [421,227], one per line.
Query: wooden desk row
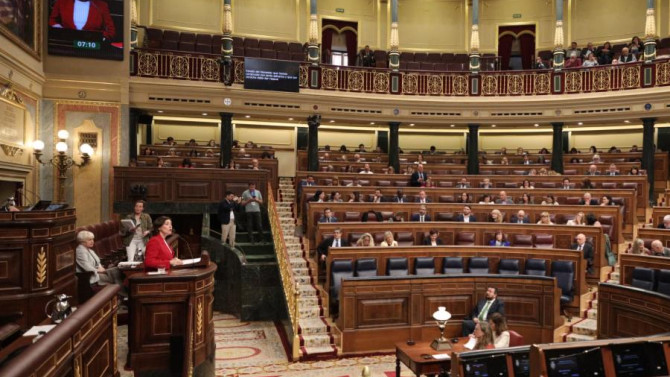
[655,234]
[163,150]
[631,207]
[628,262]
[376,313]
[479,234]
[612,217]
[657,214]
[495,254]
[84,344]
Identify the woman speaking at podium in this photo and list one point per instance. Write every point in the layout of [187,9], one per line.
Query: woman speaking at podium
[159,254]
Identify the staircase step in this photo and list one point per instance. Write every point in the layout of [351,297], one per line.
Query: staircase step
[317,352]
[615,276]
[586,327]
[592,313]
[319,340]
[311,312]
[307,290]
[594,304]
[303,279]
[313,326]
[572,337]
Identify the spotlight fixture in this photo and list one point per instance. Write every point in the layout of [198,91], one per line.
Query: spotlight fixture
[372,123]
[626,121]
[411,124]
[290,118]
[332,121]
[537,125]
[453,125]
[204,114]
[580,123]
[493,125]
[247,116]
[160,111]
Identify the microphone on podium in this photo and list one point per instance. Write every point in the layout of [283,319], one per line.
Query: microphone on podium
[24,195]
[188,246]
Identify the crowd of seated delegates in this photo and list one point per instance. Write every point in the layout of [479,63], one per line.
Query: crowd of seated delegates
[590,56]
[656,248]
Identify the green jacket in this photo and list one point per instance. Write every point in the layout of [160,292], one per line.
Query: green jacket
[145,223]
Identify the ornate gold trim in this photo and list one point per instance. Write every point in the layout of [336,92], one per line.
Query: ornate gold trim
[41,267]
[11,150]
[114,331]
[77,366]
[198,319]
[35,52]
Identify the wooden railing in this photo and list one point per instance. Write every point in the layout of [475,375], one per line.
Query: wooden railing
[206,67]
[289,284]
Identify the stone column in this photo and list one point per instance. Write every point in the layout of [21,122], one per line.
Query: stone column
[133,122]
[394,146]
[650,33]
[648,154]
[557,148]
[226,143]
[473,149]
[475,64]
[148,121]
[559,52]
[227,44]
[313,121]
[394,54]
[133,24]
[313,44]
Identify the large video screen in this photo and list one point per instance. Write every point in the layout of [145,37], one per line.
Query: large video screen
[265,74]
[86,28]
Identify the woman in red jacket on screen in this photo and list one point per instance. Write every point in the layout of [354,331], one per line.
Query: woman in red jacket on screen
[158,253]
[89,15]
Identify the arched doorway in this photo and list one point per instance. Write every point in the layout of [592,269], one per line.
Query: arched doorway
[516,46]
[339,42]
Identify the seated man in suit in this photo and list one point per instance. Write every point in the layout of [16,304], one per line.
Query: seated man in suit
[418,178]
[658,249]
[307,182]
[422,216]
[593,170]
[483,310]
[335,241]
[463,183]
[377,197]
[327,216]
[400,197]
[587,201]
[520,218]
[503,199]
[566,184]
[433,238]
[612,170]
[486,183]
[422,198]
[666,223]
[586,249]
[466,216]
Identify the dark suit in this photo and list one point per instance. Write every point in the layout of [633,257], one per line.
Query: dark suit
[515,220]
[322,249]
[594,173]
[426,241]
[498,306]
[381,200]
[428,200]
[396,199]
[493,243]
[224,210]
[417,217]
[461,218]
[662,226]
[587,252]
[324,219]
[463,186]
[610,173]
[593,202]
[414,181]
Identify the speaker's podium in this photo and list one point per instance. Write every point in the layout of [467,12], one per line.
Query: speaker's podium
[171,320]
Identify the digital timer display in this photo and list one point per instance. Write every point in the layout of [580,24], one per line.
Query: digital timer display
[86,45]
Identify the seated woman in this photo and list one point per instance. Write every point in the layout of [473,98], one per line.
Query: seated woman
[336,197]
[433,238]
[366,240]
[504,161]
[527,185]
[158,253]
[186,163]
[388,240]
[578,220]
[499,240]
[498,325]
[549,200]
[211,143]
[592,220]
[496,216]
[545,219]
[486,199]
[463,198]
[160,163]
[319,197]
[88,261]
[634,171]
[525,199]
[606,200]
[637,247]
[483,335]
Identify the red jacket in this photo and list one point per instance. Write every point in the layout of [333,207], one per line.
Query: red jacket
[99,18]
[158,254]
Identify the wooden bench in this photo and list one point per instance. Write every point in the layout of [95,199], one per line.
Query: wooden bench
[657,214]
[650,234]
[628,262]
[611,217]
[477,234]
[494,254]
[377,312]
[184,150]
[625,311]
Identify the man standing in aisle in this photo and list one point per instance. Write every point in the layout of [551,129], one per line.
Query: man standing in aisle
[252,201]
[226,214]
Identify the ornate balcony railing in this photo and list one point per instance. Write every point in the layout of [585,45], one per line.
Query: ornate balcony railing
[205,67]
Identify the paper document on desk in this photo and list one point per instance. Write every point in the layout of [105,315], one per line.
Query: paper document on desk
[35,330]
[190,261]
[471,343]
[442,356]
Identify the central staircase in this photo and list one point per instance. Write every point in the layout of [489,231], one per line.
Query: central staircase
[316,340]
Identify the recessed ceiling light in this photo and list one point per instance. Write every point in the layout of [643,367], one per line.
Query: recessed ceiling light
[626,121]
[453,125]
[372,123]
[580,123]
[493,125]
[160,111]
[204,114]
[411,124]
[247,116]
[332,121]
[537,125]
[290,118]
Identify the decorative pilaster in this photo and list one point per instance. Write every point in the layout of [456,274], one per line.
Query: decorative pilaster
[650,33]
[559,52]
[227,43]
[475,65]
[557,148]
[394,54]
[394,146]
[313,45]
[473,149]
[648,154]
[226,144]
[133,123]
[313,121]
[134,19]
